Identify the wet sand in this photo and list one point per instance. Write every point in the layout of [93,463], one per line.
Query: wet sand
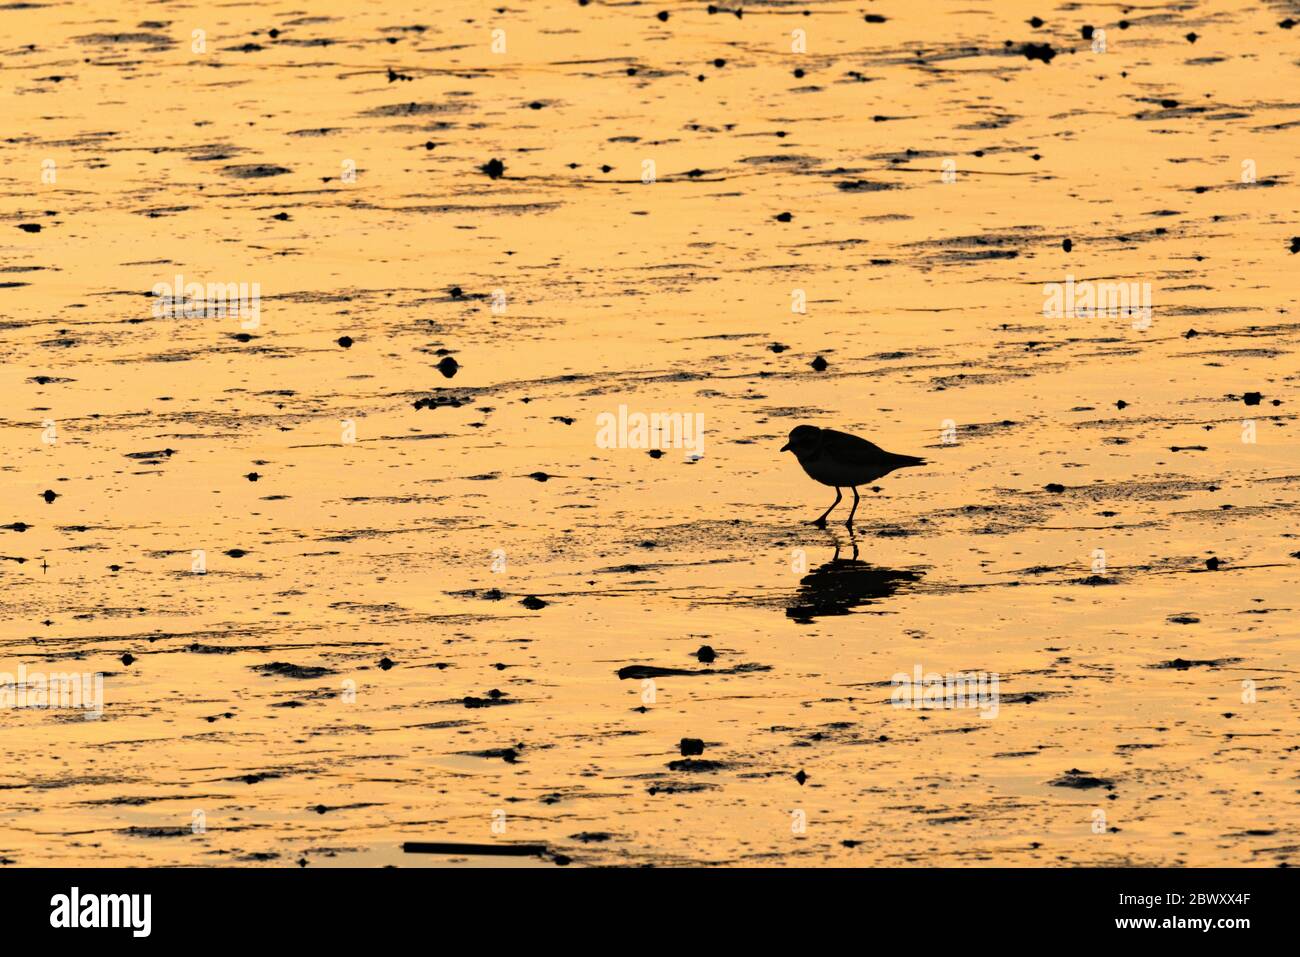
[360,668]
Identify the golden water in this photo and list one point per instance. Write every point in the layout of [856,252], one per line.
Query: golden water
[931,174]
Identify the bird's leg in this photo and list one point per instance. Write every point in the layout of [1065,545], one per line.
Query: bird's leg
[821,522]
[853,510]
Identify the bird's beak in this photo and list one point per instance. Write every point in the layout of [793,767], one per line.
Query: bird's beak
[786,447]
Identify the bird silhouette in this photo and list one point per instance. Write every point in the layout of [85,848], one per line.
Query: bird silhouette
[841,460]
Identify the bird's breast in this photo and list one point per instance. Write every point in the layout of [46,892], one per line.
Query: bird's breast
[828,471]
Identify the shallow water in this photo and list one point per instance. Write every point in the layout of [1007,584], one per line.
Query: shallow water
[1147,710]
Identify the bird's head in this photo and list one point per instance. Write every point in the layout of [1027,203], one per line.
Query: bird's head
[805,440]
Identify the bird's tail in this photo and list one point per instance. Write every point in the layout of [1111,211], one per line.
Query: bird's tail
[907,461]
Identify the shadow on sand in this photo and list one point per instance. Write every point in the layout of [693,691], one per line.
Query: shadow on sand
[842,584]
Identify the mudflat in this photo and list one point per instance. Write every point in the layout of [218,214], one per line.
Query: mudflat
[364,583]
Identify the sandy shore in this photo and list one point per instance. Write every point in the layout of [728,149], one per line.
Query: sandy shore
[421,579]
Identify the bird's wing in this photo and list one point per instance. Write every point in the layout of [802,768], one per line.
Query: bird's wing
[850,449]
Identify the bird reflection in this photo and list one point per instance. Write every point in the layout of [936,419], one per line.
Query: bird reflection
[842,584]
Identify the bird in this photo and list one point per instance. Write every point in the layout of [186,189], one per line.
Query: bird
[840,460]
